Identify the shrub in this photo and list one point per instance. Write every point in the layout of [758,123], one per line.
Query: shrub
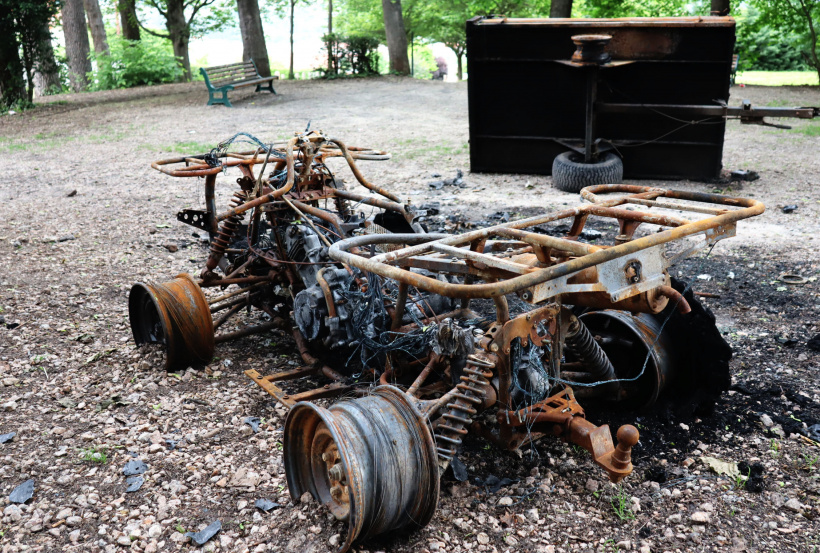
[135,63]
[351,55]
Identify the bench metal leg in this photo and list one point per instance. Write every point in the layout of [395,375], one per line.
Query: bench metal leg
[260,87]
[223,100]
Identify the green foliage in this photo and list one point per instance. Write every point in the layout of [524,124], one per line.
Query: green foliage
[135,63]
[764,47]
[622,505]
[351,55]
[24,26]
[424,63]
[639,8]
[801,18]
[94,455]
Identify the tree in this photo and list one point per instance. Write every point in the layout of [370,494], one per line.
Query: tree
[396,37]
[76,43]
[128,19]
[561,8]
[25,39]
[96,25]
[46,70]
[800,16]
[180,26]
[253,36]
[12,87]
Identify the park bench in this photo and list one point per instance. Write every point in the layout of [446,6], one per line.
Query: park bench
[224,78]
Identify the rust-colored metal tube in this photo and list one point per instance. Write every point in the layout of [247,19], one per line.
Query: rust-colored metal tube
[358,174]
[676,298]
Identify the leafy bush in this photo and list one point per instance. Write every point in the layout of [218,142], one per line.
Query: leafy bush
[351,55]
[764,47]
[135,63]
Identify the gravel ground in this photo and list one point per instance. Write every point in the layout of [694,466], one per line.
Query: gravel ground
[83,216]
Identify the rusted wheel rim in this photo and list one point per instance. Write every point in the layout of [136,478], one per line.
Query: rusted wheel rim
[176,315]
[382,451]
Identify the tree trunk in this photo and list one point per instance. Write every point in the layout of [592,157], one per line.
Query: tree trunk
[292,8]
[47,72]
[76,44]
[460,73]
[720,7]
[396,37]
[329,32]
[12,87]
[180,34]
[253,36]
[561,8]
[96,26]
[128,19]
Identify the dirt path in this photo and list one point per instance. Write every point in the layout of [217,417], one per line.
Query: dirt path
[83,216]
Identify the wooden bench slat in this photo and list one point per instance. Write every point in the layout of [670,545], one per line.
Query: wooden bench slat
[229,65]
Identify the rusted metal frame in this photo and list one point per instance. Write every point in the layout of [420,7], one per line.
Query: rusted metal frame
[241,268]
[210,203]
[710,111]
[543,240]
[422,377]
[488,290]
[590,150]
[276,194]
[680,207]
[247,331]
[460,239]
[270,388]
[358,174]
[640,216]
[231,303]
[326,216]
[488,260]
[401,300]
[409,216]
[224,297]
[328,294]
[628,22]
[243,280]
[236,308]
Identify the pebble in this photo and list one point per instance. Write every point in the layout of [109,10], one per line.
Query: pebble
[766,420]
[505,501]
[793,505]
[483,538]
[700,517]
[335,540]
[591,485]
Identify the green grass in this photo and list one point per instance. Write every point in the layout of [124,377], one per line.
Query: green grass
[190,147]
[622,505]
[808,129]
[94,455]
[776,78]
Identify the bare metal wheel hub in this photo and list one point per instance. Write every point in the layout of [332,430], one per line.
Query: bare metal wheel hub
[370,460]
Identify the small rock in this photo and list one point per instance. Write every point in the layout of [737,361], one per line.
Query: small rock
[306,498]
[592,485]
[63,514]
[674,519]
[483,538]
[201,537]
[74,521]
[171,247]
[23,492]
[688,462]
[74,536]
[134,467]
[505,501]
[700,517]
[334,540]
[794,505]
[766,420]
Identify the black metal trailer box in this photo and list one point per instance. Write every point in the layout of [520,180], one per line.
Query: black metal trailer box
[527,100]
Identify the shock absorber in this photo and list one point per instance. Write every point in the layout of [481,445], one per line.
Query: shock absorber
[469,394]
[225,233]
[591,355]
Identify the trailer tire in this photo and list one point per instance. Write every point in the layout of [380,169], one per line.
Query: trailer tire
[571,174]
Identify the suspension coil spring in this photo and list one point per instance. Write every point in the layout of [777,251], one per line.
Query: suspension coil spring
[458,417]
[591,354]
[226,232]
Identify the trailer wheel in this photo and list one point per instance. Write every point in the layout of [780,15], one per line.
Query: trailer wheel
[571,174]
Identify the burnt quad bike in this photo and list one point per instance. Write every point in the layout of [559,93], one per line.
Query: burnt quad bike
[424,333]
